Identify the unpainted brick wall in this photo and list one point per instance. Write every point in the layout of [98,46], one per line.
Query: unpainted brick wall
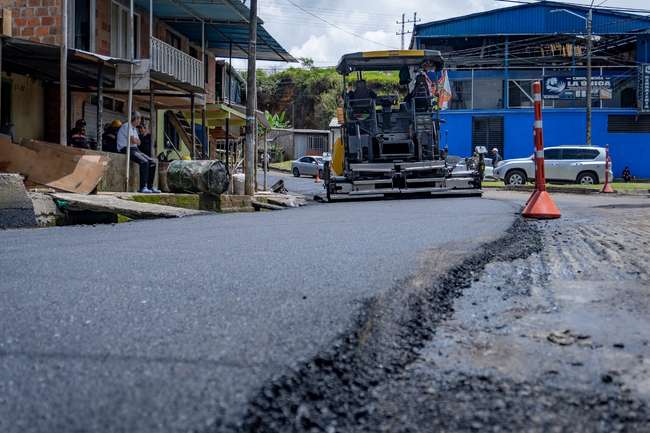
[36,20]
[103,24]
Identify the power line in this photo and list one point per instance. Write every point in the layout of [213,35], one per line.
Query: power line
[337,26]
[324,11]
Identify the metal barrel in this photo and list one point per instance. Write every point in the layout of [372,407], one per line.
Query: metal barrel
[198,176]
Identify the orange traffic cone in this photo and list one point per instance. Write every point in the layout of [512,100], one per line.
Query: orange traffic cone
[317,178]
[541,206]
[607,188]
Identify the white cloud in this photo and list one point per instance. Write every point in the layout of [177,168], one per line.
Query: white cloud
[375,20]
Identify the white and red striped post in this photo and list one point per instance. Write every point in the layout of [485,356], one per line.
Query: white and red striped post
[538,138]
[540,204]
[607,188]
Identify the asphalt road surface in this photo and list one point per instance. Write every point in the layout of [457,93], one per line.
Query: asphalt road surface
[172,325]
[301,185]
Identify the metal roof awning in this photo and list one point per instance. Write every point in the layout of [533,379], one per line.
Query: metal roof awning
[216,115]
[226,23]
[42,61]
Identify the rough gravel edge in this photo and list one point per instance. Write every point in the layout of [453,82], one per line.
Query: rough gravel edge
[329,393]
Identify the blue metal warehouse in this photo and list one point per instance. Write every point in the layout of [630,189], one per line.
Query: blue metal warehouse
[493,57]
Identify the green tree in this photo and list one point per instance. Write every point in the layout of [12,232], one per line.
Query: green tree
[312,95]
[277,120]
[306,62]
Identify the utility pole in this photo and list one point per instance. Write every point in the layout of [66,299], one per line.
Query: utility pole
[589,45]
[588,22]
[130,46]
[251,104]
[403,22]
[63,76]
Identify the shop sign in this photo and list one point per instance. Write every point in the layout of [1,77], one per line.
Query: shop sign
[644,87]
[560,87]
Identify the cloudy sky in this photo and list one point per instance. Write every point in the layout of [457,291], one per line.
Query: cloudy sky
[363,24]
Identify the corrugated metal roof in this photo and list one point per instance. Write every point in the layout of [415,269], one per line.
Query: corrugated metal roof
[534,18]
[226,22]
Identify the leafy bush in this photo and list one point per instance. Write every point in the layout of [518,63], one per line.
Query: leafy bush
[311,95]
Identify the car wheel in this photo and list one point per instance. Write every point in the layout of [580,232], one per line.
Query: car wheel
[587,178]
[296,172]
[515,178]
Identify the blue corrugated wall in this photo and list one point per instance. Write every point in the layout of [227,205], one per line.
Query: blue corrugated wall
[561,126]
[535,18]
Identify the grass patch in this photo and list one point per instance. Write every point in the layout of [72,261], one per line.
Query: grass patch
[123,218]
[185,201]
[285,165]
[619,186]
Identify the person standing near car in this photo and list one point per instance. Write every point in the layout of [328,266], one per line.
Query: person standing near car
[128,136]
[496,157]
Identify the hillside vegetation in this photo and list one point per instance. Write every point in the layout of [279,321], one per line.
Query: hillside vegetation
[309,96]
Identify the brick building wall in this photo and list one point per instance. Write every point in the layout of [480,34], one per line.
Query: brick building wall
[103,27]
[36,20]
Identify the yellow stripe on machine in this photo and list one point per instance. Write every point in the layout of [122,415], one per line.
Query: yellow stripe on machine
[392,53]
[338,154]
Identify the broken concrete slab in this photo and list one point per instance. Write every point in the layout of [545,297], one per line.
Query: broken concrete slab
[225,203]
[16,209]
[279,199]
[128,208]
[258,205]
[45,209]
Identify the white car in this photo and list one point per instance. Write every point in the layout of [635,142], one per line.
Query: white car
[580,164]
[309,165]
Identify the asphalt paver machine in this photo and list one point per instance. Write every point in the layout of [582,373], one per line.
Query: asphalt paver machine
[390,144]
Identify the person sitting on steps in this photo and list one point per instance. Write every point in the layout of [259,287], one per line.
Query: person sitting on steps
[128,135]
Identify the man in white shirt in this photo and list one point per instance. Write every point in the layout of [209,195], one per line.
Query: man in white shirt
[128,135]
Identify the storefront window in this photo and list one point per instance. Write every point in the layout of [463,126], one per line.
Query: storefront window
[519,94]
[461,91]
[624,94]
[488,93]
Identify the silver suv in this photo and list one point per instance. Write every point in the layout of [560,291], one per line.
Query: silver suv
[580,164]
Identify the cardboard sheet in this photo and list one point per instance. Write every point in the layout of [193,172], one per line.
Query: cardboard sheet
[59,167]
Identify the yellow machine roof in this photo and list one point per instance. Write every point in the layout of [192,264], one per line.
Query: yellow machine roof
[387,60]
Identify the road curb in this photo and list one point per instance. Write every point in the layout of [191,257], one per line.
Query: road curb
[282,170]
[558,190]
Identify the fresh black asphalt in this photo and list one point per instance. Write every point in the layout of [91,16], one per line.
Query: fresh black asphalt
[172,325]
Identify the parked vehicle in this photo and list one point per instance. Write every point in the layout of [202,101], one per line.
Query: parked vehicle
[309,165]
[580,164]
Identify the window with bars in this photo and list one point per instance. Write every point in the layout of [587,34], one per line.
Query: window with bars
[487,131]
[628,123]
